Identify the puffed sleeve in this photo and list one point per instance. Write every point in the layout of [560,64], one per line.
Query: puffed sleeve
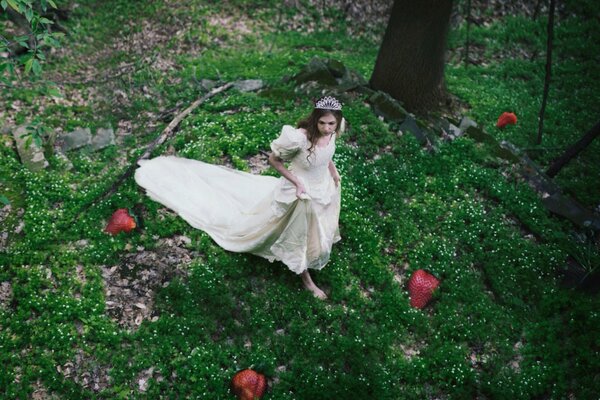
[288,144]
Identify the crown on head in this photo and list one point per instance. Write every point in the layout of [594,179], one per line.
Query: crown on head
[328,103]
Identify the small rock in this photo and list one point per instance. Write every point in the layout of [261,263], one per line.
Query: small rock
[31,155]
[465,123]
[387,107]
[410,125]
[249,85]
[80,137]
[104,137]
[68,165]
[316,70]
[208,84]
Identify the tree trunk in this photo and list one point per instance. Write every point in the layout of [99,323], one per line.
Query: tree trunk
[574,150]
[410,63]
[550,34]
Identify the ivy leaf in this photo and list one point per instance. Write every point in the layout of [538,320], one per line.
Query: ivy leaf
[14,5]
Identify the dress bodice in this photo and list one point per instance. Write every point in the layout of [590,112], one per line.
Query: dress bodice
[313,165]
[310,167]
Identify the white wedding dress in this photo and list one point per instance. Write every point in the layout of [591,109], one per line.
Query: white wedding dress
[256,214]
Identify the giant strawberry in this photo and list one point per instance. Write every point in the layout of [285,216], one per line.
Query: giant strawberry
[120,221]
[248,384]
[505,119]
[420,287]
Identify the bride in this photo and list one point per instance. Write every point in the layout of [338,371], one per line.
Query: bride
[292,219]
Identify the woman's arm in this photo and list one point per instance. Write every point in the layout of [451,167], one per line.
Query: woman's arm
[334,173]
[277,163]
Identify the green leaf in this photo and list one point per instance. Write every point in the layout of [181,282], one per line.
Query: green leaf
[4,199]
[29,14]
[4,4]
[45,20]
[52,3]
[28,65]
[36,66]
[54,92]
[50,41]
[14,5]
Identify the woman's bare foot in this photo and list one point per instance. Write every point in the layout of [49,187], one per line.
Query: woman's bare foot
[310,285]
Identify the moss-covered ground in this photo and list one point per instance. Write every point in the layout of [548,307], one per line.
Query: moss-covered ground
[501,326]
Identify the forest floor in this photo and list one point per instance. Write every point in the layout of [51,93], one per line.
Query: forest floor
[164,312]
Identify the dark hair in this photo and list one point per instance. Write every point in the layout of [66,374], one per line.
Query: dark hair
[310,124]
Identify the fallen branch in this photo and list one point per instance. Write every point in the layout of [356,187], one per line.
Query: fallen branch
[166,134]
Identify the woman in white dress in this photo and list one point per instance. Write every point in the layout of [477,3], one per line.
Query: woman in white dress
[292,219]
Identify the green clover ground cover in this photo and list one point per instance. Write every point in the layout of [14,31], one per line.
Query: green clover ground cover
[510,78]
[500,325]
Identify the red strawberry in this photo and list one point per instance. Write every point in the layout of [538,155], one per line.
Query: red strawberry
[505,119]
[248,384]
[420,287]
[120,221]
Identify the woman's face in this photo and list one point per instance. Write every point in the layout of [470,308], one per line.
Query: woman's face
[327,124]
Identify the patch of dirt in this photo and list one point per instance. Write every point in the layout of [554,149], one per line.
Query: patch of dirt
[130,286]
[86,371]
[373,16]
[478,357]
[515,363]
[366,291]
[142,378]
[40,392]
[6,294]
[400,273]
[409,350]
[4,212]
[153,45]
[485,12]
[7,229]
[258,163]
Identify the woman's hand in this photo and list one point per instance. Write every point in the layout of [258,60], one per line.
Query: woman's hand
[300,191]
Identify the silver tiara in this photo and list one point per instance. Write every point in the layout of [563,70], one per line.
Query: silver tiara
[328,103]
